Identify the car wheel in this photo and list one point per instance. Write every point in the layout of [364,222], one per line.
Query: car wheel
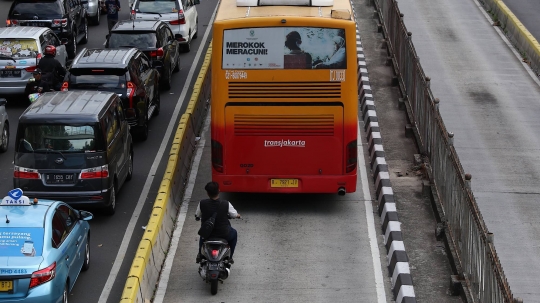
[85,38]
[196,29]
[187,47]
[167,81]
[73,47]
[4,139]
[143,129]
[130,167]
[86,263]
[177,66]
[109,210]
[95,19]
[157,102]
[65,294]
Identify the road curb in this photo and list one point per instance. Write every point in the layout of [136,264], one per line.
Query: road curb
[397,258]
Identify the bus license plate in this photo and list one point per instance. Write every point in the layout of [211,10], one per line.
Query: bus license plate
[6,285]
[284,183]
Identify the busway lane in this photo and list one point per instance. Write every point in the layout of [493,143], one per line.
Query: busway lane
[108,232]
[527,11]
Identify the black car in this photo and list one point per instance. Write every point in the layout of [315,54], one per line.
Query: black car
[155,39]
[67,19]
[124,71]
[74,147]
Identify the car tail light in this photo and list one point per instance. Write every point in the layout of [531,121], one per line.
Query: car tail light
[158,54]
[65,86]
[95,172]
[25,173]
[130,92]
[181,18]
[217,156]
[43,275]
[215,253]
[352,156]
[30,68]
[59,22]
[10,22]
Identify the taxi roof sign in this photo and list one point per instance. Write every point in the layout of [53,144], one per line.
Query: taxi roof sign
[15,197]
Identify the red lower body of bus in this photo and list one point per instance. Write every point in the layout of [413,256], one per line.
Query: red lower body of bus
[305,184]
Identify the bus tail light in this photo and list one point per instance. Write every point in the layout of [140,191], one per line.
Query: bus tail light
[130,92]
[217,156]
[44,275]
[95,172]
[25,173]
[65,86]
[352,156]
[181,18]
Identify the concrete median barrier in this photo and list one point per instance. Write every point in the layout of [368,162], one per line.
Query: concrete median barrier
[154,245]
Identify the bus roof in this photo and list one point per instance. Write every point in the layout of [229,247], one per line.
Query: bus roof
[229,10]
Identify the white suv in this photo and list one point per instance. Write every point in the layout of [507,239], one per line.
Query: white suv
[21,47]
[180,15]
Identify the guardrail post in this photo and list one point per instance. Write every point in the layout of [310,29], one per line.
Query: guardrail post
[468,178]
[489,238]
[428,82]
[436,101]
[518,300]
[451,139]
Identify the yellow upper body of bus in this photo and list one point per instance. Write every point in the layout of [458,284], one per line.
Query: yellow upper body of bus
[284,96]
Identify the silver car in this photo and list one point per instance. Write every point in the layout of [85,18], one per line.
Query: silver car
[21,47]
[4,126]
[180,15]
[93,10]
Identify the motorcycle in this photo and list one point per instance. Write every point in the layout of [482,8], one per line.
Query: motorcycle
[214,266]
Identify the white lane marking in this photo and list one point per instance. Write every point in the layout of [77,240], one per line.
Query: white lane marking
[375,254]
[138,208]
[166,271]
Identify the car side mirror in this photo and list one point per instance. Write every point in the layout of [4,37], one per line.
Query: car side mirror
[64,41]
[85,215]
[3,101]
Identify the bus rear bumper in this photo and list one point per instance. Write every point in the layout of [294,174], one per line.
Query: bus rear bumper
[304,184]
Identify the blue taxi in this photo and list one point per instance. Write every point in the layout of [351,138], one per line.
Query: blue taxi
[44,245]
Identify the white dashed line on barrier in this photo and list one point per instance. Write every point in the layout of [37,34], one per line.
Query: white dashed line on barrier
[120,256]
[375,253]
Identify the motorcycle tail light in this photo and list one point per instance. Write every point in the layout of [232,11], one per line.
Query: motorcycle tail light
[215,253]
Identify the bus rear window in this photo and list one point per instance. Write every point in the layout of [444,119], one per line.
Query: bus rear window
[284,48]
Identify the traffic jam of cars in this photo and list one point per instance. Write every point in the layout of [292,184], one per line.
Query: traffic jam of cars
[74,142]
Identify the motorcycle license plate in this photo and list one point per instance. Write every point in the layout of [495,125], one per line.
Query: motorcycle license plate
[213,266]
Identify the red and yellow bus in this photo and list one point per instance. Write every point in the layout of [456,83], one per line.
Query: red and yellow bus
[284,96]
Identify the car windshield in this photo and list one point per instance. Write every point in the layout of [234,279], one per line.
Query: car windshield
[18,48]
[133,39]
[58,137]
[157,6]
[36,9]
[21,241]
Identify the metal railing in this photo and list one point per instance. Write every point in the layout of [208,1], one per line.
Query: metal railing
[476,259]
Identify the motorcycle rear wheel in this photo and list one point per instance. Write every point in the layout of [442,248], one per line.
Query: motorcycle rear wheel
[213,287]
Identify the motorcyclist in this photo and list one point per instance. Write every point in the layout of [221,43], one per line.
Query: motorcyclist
[224,209]
[52,70]
[37,85]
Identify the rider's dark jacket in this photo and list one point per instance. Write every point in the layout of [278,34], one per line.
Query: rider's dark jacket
[222,224]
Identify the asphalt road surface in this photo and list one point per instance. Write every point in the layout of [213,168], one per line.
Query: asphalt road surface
[108,232]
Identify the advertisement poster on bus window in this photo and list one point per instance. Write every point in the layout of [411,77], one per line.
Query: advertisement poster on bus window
[284,48]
